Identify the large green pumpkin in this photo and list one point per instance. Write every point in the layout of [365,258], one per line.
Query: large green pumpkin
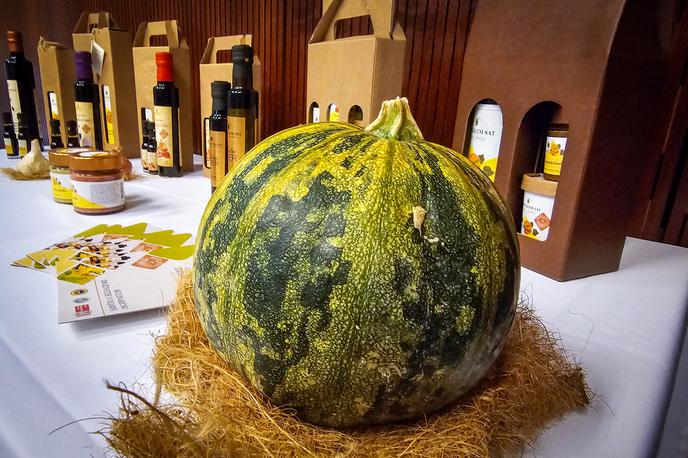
[357,276]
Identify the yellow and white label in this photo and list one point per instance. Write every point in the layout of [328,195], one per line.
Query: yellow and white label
[333,113]
[8,147]
[109,125]
[98,194]
[236,140]
[554,155]
[23,147]
[163,135]
[61,184]
[486,136]
[52,100]
[15,103]
[218,157]
[85,124]
[537,215]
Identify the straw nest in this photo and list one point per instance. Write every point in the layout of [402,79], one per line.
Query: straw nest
[215,413]
[16,175]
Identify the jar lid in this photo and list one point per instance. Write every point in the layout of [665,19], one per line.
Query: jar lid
[558,130]
[536,183]
[60,156]
[96,161]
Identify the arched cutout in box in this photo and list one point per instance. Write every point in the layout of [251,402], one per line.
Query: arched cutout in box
[332,113]
[484,128]
[355,116]
[529,150]
[314,112]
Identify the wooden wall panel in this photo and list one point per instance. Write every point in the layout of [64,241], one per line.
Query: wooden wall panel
[435,31]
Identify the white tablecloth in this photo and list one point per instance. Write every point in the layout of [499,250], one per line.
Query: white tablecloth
[624,328]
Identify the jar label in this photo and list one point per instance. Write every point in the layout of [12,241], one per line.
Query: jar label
[8,147]
[15,103]
[217,153]
[60,184]
[85,124]
[163,135]
[554,155]
[236,140]
[537,215]
[486,137]
[23,147]
[98,194]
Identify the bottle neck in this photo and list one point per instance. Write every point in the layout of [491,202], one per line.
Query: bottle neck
[242,76]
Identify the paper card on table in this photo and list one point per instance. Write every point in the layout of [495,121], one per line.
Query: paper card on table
[78,273]
[31,264]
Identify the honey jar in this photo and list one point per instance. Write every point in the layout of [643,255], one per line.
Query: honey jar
[97,184]
[60,182]
[555,147]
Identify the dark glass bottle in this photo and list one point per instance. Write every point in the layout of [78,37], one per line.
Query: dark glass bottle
[166,116]
[10,137]
[152,149]
[217,126]
[242,106]
[72,134]
[144,144]
[55,134]
[21,85]
[23,137]
[87,103]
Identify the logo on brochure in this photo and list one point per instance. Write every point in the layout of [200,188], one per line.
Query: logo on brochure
[81,300]
[82,310]
[78,292]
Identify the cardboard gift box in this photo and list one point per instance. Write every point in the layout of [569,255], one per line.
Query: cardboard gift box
[56,65]
[211,70]
[586,75]
[355,73]
[115,80]
[145,75]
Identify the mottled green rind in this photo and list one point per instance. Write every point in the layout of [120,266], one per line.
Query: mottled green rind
[311,281]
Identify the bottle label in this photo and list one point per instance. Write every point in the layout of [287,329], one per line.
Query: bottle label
[486,136]
[236,140]
[61,184]
[206,122]
[109,126]
[163,135]
[316,114]
[554,155]
[52,100]
[23,147]
[15,104]
[217,156]
[8,147]
[333,113]
[152,161]
[98,194]
[85,124]
[144,158]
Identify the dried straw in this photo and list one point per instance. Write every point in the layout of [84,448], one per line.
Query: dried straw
[532,384]
[16,175]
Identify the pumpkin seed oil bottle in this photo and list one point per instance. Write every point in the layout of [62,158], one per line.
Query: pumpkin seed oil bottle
[166,117]
[11,147]
[87,103]
[242,106]
[217,129]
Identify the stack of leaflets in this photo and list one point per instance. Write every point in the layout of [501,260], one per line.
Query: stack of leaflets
[108,270]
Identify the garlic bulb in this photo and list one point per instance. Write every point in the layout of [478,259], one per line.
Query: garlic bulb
[34,163]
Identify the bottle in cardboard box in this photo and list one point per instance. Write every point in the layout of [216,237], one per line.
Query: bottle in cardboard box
[166,115]
[87,103]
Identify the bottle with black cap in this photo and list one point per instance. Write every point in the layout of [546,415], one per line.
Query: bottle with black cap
[87,103]
[72,134]
[20,86]
[9,136]
[216,158]
[242,106]
[55,134]
[166,116]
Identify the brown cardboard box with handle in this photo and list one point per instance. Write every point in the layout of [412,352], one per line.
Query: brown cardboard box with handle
[211,70]
[116,78]
[56,63]
[358,71]
[145,75]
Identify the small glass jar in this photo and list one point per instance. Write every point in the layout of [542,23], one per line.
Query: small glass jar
[555,147]
[538,205]
[59,173]
[97,184]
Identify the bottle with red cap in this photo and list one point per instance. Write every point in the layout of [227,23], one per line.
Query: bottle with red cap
[87,103]
[166,117]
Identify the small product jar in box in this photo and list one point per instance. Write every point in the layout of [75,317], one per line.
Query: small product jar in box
[555,147]
[538,203]
[97,185]
[59,173]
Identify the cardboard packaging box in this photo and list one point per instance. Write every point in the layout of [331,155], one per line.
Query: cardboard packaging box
[210,70]
[588,75]
[356,72]
[56,63]
[145,75]
[116,78]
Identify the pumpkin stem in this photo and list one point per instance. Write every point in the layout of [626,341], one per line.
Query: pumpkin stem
[395,122]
